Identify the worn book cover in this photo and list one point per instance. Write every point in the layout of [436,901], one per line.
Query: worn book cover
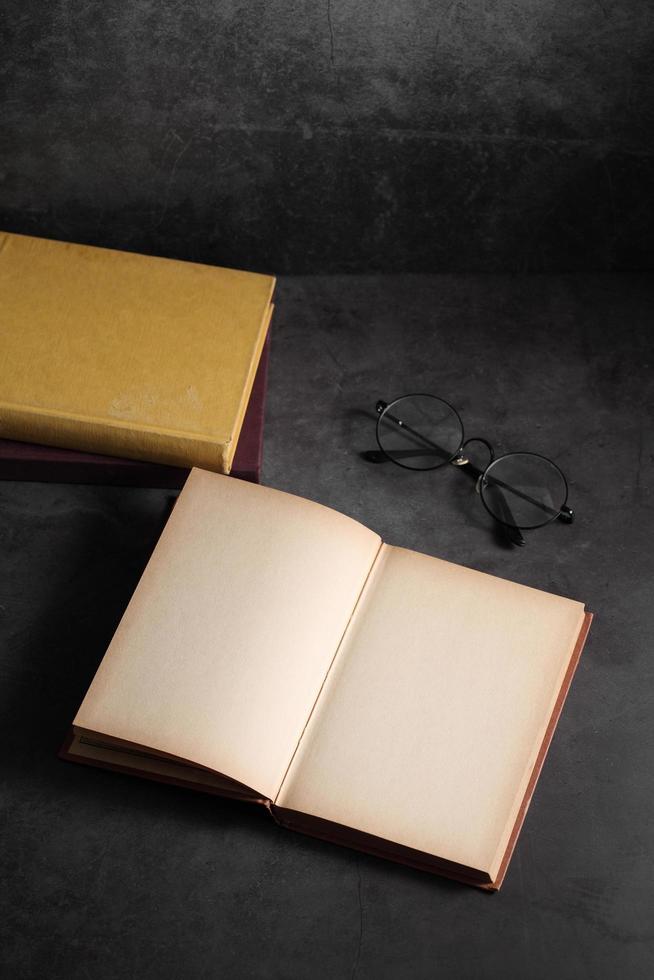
[51,464]
[128,355]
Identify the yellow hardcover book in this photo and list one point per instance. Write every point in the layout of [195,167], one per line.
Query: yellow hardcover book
[129,355]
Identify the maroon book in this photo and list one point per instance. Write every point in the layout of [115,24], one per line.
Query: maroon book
[48,464]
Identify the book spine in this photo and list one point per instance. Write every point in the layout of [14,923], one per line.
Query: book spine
[247,389]
[115,438]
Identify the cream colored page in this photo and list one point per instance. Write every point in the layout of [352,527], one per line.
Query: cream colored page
[230,633]
[429,725]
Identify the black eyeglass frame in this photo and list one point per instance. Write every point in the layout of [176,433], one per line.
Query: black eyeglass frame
[565,513]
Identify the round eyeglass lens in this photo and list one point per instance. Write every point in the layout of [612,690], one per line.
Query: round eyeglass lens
[420,432]
[523,490]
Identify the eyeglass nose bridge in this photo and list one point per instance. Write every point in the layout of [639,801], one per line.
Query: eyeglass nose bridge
[462,460]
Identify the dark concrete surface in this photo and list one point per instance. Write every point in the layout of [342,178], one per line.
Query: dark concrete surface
[108,876]
[382,135]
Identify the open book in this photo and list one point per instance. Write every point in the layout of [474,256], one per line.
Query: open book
[279,652]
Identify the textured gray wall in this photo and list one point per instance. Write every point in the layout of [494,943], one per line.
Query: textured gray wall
[336,135]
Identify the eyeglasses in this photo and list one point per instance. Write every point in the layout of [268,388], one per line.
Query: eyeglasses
[521,491]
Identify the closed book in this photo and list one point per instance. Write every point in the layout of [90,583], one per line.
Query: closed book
[278,652]
[127,355]
[49,464]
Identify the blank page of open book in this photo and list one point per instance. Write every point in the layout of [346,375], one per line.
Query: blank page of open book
[428,728]
[226,642]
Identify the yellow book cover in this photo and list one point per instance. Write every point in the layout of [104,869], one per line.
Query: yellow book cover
[125,354]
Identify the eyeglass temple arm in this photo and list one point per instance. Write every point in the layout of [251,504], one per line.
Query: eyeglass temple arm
[464,465]
[566,514]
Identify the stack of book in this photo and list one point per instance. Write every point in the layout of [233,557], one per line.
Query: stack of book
[274,651]
[125,368]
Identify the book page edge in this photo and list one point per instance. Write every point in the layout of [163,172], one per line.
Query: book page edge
[564,689]
[67,754]
[264,328]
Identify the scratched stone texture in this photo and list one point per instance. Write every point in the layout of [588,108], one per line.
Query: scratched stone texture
[335,136]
